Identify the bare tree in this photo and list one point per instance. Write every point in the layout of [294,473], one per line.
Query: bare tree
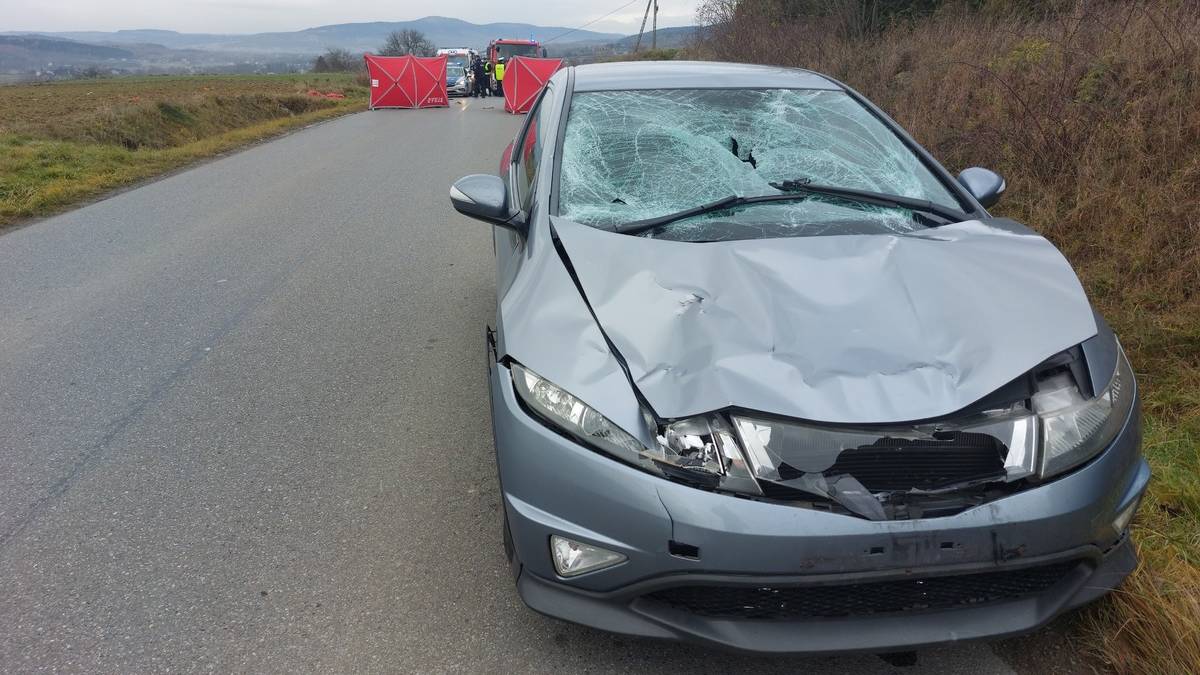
[342,60]
[335,60]
[710,13]
[407,41]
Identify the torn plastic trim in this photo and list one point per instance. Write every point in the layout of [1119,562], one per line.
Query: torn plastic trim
[865,470]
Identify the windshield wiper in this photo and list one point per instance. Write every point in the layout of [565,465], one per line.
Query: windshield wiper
[805,186]
[731,201]
[793,190]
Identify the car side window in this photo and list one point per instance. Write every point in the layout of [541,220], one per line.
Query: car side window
[530,149]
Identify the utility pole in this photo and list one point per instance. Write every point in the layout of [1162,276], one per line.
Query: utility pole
[654,27]
[638,45]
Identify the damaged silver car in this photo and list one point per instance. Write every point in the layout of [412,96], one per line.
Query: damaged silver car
[765,376]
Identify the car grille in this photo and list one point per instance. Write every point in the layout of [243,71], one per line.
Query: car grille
[899,464]
[877,597]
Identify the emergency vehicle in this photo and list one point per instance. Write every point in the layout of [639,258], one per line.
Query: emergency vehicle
[501,50]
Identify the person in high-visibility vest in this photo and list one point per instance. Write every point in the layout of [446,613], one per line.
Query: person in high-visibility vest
[499,73]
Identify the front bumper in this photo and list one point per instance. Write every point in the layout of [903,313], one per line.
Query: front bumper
[552,485]
[631,612]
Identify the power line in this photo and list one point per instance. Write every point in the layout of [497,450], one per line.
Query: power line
[591,22]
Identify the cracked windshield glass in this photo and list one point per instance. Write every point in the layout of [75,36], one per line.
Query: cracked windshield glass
[635,155]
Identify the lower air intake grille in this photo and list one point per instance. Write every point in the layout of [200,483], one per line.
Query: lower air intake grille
[877,597]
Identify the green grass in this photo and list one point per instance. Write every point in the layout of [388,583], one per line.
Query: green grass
[62,143]
[1152,623]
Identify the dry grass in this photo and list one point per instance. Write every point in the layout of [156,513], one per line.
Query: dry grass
[1093,116]
[60,109]
[67,141]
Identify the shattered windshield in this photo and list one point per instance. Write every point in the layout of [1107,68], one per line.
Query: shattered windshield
[633,155]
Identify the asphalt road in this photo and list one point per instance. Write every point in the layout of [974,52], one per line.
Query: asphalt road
[245,426]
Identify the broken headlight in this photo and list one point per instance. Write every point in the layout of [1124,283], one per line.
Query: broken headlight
[1074,428]
[700,450]
[705,448]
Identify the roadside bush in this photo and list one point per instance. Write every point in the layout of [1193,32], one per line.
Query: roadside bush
[649,55]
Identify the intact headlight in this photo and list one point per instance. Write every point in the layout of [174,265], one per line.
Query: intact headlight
[575,417]
[700,449]
[1075,429]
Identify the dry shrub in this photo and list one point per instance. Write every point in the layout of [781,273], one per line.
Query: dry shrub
[1091,110]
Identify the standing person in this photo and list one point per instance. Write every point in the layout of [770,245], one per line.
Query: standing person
[481,78]
[500,76]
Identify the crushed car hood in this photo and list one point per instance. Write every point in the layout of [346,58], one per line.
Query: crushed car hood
[844,329]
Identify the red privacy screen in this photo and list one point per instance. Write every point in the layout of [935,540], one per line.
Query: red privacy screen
[524,78]
[407,81]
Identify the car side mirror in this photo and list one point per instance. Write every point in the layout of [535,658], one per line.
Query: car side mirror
[482,197]
[985,185]
[543,52]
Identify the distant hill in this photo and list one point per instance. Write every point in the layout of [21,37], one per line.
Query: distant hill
[590,51]
[72,54]
[26,57]
[357,37]
[28,52]
[667,38]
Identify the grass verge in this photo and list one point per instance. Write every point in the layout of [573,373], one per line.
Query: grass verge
[63,143]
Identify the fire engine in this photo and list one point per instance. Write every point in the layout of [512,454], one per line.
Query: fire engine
[501,50]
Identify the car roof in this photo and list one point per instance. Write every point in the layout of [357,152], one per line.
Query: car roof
[695,75]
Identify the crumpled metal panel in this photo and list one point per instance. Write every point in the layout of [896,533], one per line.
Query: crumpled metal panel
[844,329]
[548,329]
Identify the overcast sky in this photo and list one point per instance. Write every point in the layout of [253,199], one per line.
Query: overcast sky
[253,16]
